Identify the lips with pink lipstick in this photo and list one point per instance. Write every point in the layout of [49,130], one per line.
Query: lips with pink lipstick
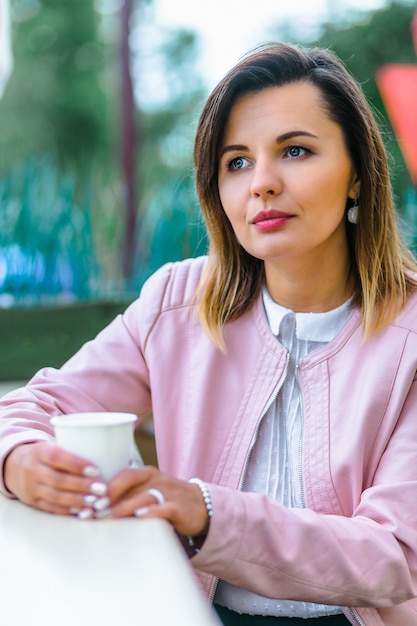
[270,220]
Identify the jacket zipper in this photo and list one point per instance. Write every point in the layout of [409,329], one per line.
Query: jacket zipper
[300,445]
[300,450]
[254,439]
[300,465]
[355,616]
[255,436]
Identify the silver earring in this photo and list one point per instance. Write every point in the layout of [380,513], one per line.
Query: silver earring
[352,213]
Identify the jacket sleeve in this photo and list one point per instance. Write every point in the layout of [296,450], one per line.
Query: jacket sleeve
[108,373]
[366,560]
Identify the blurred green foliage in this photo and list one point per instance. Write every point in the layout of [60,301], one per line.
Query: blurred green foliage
[45,237]
[61,133]
[55,151]
[55,100]
[172,228]
[64,100]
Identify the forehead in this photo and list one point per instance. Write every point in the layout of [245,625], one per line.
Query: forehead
[291,104]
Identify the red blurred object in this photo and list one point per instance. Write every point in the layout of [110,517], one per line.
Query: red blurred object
[398,87]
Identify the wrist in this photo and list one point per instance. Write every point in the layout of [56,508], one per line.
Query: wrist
[193,544]
[205,493]
[11,465]
[9,470]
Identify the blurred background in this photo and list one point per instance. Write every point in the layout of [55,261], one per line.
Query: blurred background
[99,101]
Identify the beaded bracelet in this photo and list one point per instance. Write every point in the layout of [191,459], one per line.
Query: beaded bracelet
[205,493]
[193,545]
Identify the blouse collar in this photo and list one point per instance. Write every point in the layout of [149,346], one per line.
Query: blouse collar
[321,327]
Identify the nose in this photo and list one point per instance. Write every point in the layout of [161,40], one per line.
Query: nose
[265,180]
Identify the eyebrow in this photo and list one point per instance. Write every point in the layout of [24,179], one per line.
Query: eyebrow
[280,139]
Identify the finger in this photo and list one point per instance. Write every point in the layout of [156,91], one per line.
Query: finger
[60,491]
[144,506]
[64,500]
[167,511]
[181,507]
[52,507]
[124,507]
[32,477]
[134,497]
[62,482]
[131,480]
[64,461]
[66,478]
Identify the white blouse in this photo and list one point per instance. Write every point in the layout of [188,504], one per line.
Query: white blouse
[274,467]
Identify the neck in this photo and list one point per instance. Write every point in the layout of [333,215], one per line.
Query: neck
[309,290]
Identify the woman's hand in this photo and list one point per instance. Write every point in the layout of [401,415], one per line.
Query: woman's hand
[128,495]
[46,477]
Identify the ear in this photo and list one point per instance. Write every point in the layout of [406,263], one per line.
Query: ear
[355,188]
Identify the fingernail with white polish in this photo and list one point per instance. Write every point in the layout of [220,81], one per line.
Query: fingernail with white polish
[90,499]
[141,512]
[99,489]
[101,504]
[90,471]
[85,514]
[105,513]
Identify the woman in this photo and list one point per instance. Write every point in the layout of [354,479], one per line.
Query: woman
[279,371]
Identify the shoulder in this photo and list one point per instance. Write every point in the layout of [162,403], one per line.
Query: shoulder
[174,284]
[171,287]
[407,318]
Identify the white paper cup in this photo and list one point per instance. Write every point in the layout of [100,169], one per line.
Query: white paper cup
[103,439]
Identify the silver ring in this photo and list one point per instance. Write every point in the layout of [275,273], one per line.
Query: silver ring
[158,495]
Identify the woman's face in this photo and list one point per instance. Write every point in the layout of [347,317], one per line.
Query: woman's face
[285,176]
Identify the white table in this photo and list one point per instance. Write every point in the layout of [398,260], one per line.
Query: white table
[59,571]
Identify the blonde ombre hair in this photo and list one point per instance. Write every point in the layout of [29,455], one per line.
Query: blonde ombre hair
[381,264]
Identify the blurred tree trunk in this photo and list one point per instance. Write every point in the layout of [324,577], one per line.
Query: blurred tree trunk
[128,144]
[5,45]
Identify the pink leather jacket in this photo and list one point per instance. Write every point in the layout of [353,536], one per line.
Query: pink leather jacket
[355,545]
